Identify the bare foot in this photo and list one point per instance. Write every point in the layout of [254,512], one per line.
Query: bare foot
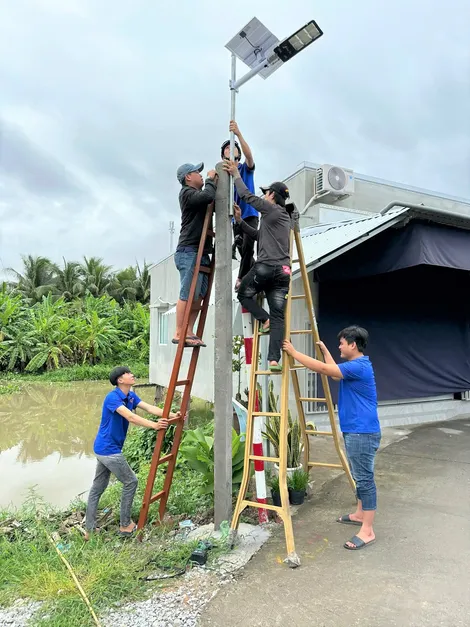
[90,532]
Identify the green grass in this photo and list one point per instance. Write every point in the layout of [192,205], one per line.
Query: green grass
[111,570]
[9,388]
[185,499]
[75,373]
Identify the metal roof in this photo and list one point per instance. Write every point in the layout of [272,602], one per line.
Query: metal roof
[324,242]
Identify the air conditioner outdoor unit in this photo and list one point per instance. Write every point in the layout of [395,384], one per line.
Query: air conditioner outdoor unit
[334,181]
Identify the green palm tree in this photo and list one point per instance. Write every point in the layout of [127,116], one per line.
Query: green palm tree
[123,286]
[143,283]
[96,275]
[37,279]
[69,281]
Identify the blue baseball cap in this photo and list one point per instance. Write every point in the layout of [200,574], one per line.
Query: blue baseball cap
[187,168]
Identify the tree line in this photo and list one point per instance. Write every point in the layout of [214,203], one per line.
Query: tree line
[80,313]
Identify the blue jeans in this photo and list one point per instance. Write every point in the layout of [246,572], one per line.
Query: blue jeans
[360,451]
[185,260]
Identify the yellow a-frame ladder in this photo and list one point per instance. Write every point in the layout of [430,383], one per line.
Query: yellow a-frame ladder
[288,365]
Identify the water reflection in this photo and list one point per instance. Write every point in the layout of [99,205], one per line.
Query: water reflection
[46,438]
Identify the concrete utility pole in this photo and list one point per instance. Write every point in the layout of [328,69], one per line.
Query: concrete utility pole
[223,412]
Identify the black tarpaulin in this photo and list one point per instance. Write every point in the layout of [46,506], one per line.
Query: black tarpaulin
[404,247]
[417,313]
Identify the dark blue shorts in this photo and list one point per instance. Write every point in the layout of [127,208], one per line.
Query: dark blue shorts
[185,260]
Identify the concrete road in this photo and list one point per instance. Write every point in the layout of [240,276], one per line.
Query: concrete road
[417,573]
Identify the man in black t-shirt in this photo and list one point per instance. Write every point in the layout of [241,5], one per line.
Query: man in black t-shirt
[193,203]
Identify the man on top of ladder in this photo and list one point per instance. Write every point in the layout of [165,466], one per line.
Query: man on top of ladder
[358,420]
[271,272]
[243,241]
[193,203]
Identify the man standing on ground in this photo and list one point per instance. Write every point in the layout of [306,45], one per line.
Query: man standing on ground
[243,242]
[358,419]
[118,408]
[193,203]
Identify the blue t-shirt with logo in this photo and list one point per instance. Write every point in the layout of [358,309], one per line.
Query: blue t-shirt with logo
[248,177]
[357,402]
[113,427]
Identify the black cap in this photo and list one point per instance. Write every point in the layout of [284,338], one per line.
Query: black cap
[116,373]
[278,187]
[227,143]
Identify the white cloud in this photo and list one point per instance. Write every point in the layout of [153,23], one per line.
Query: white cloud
[107,99]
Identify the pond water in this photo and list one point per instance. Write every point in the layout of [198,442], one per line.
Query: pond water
[46,440]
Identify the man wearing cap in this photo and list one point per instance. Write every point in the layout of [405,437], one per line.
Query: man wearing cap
[243,241]
[271,273]
[118,411]
[194,198]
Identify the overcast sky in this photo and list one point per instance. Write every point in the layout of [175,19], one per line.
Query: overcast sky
[101,100]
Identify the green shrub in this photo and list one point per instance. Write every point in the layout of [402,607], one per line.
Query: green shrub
[197,449]
[298,480]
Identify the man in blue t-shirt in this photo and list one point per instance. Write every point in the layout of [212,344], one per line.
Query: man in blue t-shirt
[242,240]
[118,412]
[358,419]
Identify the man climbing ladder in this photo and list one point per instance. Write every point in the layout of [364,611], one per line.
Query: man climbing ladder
[271,272]
[288,366]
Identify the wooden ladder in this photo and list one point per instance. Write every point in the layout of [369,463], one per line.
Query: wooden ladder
[289,372]
[175,382]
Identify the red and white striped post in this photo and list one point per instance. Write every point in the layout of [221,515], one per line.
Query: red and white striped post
[260,478]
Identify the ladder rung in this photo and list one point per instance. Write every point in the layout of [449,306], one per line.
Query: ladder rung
[268,372]
[205,269]
[156,496]
[200,308]
[261,458]
[298,296]
[313,432]
[210,233]
[266,413]
[261,505]
[295,261]
[308,399]
[182,382]
[321,465]
[166,458]
[301,332]
[297,367]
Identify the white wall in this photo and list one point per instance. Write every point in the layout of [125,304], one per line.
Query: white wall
[370,195]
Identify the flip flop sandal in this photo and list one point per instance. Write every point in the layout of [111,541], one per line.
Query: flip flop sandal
[197,339]
[358,544]
[277,368]
[127,534]
[262,330]
[188,344]
[346,520]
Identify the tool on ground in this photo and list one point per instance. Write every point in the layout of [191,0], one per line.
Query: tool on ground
[175,382]
[288,367]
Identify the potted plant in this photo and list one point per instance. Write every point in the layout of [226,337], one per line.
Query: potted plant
[275,492]
[294,435]
[297,485]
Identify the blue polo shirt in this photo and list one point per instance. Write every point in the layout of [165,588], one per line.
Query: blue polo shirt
[357,402]
[113,427]
[248,177]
